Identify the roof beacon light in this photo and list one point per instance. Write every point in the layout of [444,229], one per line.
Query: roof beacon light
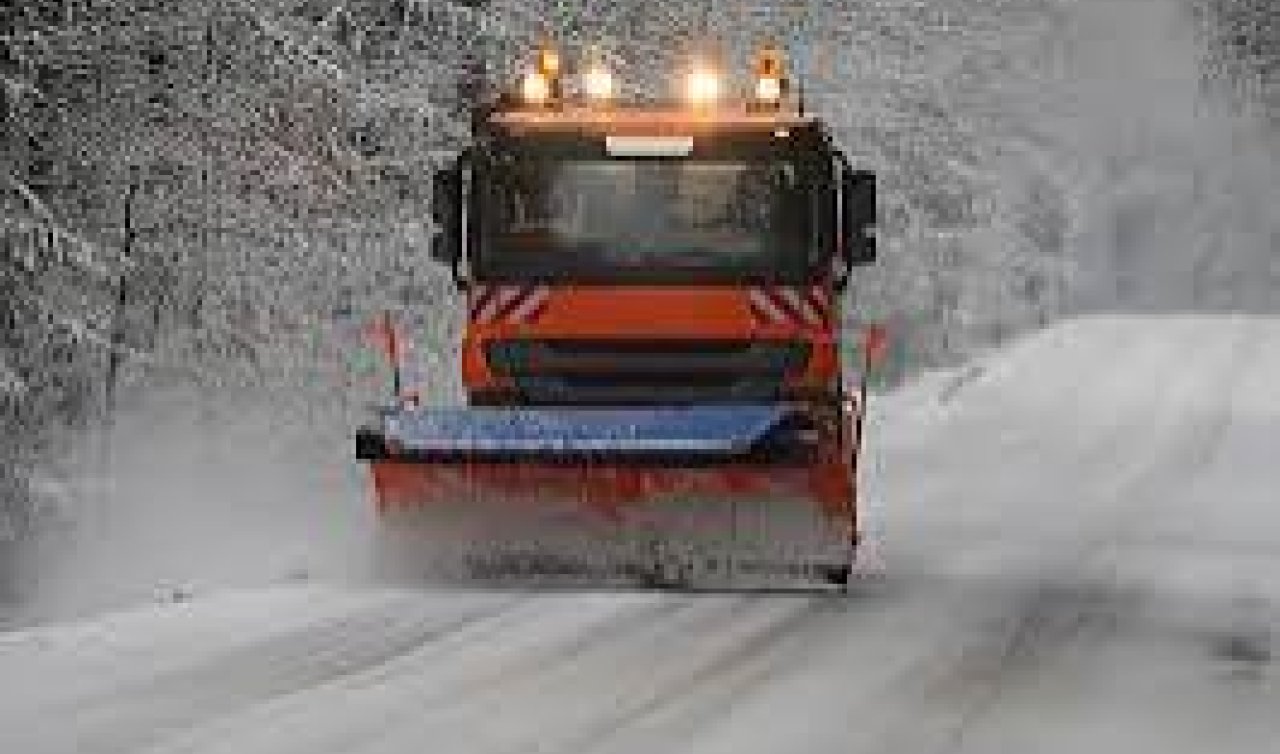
[549,62]
[771,81]
[702,87]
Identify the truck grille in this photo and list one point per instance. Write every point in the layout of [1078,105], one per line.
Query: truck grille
[643,371]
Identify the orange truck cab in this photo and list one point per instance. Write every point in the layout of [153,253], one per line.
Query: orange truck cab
[651,255]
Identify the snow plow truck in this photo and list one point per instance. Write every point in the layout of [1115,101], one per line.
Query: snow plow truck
[651,354]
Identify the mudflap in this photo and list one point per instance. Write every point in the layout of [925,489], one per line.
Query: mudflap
[711,500]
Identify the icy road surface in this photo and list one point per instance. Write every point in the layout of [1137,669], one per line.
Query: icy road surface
[1083,546]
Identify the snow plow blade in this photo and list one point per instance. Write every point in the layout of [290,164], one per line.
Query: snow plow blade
[693,496]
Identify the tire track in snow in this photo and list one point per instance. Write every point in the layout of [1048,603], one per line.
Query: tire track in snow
[477,662]
[141,712]
[709,688]
[511,660]
[574,704]
[765,673]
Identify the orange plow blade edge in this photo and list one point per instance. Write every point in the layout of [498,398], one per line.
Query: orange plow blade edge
[722,496]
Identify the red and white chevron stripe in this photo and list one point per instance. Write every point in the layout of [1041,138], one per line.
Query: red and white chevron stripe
[507,304]
[786,305]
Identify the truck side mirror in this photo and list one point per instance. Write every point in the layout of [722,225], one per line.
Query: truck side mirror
[858,190]
[446,212]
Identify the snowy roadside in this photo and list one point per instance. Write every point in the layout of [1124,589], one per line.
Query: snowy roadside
[180,497]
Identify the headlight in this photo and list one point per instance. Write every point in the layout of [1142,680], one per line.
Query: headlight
[548,61]
[771,77]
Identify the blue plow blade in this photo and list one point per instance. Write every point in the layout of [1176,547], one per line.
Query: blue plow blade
[695,431]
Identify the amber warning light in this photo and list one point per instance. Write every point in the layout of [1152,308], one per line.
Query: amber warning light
[770,78]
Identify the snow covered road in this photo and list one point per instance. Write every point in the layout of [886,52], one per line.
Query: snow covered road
[1083,545]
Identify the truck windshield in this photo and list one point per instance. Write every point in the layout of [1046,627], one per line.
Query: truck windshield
[644,219]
